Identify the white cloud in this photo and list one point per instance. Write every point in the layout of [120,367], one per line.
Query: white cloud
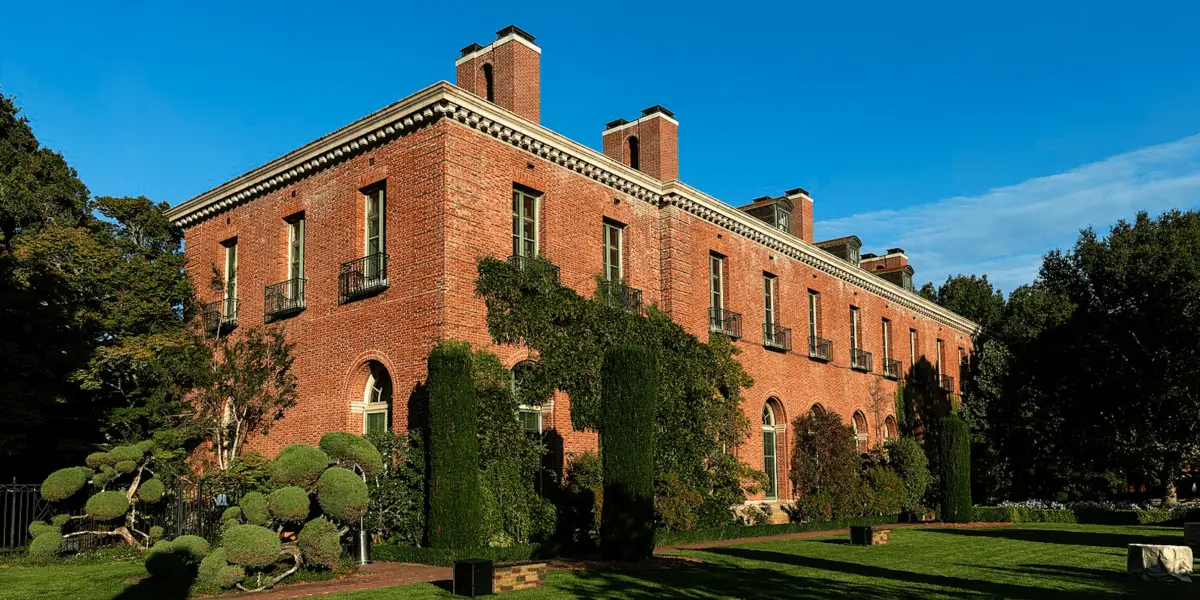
[1005,231]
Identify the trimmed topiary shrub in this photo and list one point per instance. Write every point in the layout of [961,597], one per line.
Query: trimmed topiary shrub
[190,545]
[342,494]
[289,504]
[233,513]
[251,546]
[211,566]
[351,450]
[954,458]
[298,464]
[455,499]
[151,490]
[126,453]
[125,466]
[47,545]
[628,395]
[37,528]
[104,476]
[60,520]
[255,508]
[63,484]
[320,542]
[96,460]
[106,506]
[156,533]
[230,575]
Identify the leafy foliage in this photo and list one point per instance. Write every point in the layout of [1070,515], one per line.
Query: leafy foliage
[107,506]
[251,546]
[151,491]
[396,504]
[298,464]
[352,451]
[255,508]
[455,502]
[63,484]
[628,402]
[342,494]
[954,452]
[289,504]
[320,542]
[887,491]
[825,468]
[908,460]
[46,545]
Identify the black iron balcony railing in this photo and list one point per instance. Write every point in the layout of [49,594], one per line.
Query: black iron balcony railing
[725,322]
[946,383]
[620,296]
[283,299]
[820,348]
[363,277]
[220,315]
[535,264]
[860,360]
[777,337]
[891,368]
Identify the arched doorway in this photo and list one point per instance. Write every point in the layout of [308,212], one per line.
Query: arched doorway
[890,429]
[859,425]
[377,399]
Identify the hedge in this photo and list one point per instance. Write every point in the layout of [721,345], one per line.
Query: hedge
[455,499]
[1020,514]
[954,459]
[628,395]
[734,532]
[445,557]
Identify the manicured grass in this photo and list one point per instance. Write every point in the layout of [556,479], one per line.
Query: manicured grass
[1040,560]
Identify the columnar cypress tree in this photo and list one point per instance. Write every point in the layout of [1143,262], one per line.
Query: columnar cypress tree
[954,459]
[455,502]
[629,392]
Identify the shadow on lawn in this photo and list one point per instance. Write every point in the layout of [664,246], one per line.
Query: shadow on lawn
[973,588]
[1117,541]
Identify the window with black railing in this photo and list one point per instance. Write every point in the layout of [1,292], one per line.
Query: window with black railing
[220,315]
[891,368]
[820,348]
[363,277]
[860,360]
[283,299]
[946,383]
[777,337]
[725,322]
[621,296]
[535,264]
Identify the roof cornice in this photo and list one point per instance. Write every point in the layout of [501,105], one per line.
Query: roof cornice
[443,100]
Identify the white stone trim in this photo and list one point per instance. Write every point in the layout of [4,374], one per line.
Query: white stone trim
[358,407]
[445,100]
[512,37]
[656,115]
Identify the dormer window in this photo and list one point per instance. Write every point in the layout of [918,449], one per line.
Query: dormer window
[783,215]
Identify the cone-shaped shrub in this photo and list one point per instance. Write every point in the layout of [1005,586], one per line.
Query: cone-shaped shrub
[289,504]
[320,542]
[107,506]
[255,507]
[252,546]
[63,484]
[351,450]
[151,490]
[46,545]
[954,458]
[211,566]
[298,464]
[96,460]
[342,494]
[628,395]
[455,500]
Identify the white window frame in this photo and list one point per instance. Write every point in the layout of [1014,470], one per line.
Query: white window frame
[887,337]
[771,429]
[912,348]
[716,281]
[378,196]
[295,257]
[526,409]
[231,284]
[939,361]
[520,218]
[855,329]
[611,230]
[860,437]
[814,325]
[769,299]
[372,405]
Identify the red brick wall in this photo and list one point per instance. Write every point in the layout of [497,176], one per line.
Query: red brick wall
[449,202]
[658,152]
[516,76]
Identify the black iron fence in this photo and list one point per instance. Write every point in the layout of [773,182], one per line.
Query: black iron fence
[820,348]
[725,322]
[189,509]
[777,337]
[363,277]
[860,360]
[283,299]
[621,296]
[220,315]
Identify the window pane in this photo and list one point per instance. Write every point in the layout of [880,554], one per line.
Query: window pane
[376,422]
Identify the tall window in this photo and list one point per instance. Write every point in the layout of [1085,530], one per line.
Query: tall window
[613,270]
[855,329]
[295,256]
[377,398]
[814,315]
[489,83]
[529,414]
[635,152]
[912,348]
[768,299]
[229,307]
[374,235]
[939,359]
[716,281]
[769,449]
[859,426]
[525,225]
[887,339]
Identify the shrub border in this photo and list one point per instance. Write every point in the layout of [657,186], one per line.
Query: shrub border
[733,532]
[1020,514]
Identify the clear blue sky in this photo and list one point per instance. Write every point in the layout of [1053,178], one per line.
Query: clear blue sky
[893,115]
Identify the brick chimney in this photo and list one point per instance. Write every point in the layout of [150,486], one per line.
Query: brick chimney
[506,72]
[649,144]
[802,213]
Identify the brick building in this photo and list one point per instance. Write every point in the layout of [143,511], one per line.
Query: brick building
[364,244]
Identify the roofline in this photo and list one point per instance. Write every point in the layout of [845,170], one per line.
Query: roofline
[442,100]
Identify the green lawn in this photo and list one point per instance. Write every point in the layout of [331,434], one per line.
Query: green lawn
[1030,561]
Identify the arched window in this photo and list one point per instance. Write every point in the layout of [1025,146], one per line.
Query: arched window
[816,409]
[890,430]
[528,413]
[635,152]
[771,429]
[377,415]
[489,83]
[859,425]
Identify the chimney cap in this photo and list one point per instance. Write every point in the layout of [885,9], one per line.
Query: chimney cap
[657,108]
[472,49]
[617,123]
[796,192]
[895,250]
[514,30]
[868,256]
